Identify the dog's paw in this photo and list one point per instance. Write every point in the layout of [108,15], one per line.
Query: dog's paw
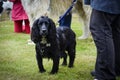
[42,71]
[53,72]
[64,64]
[70,66]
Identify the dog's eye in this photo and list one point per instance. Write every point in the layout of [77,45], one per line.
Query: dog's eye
[40,23]
[46,22]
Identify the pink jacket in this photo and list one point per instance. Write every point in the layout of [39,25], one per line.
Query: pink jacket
[18,12]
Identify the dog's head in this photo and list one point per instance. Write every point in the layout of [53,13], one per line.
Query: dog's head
[43,27]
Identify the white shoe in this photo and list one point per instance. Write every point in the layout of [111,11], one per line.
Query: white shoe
[30,42]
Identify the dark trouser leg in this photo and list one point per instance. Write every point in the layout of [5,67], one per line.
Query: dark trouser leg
[100,26]
[116,38]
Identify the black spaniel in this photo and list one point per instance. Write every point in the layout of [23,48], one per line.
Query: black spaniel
[52,42]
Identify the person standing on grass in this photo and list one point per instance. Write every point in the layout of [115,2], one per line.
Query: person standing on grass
[18,16]
[105,29]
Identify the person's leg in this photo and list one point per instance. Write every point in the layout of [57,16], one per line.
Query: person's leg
[116,38]
[27,26]
[102,34]
[18,26]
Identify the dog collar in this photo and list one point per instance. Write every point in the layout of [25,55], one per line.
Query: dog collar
[48,45]
[43,41]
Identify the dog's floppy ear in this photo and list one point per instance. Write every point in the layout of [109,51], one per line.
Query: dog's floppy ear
[52,29]
[35,31]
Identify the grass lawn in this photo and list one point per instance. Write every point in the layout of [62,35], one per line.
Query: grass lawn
[18,62]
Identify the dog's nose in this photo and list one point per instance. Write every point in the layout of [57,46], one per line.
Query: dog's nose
[44,30]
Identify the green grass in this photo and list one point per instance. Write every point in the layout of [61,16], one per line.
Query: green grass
[18,62]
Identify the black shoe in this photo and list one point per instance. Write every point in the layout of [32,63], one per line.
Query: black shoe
[93,73]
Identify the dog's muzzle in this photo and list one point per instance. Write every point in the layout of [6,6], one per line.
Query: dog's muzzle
[43,31]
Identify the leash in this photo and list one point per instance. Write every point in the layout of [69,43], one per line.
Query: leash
[68,10]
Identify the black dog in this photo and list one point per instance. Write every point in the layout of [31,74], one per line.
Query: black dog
[52,43]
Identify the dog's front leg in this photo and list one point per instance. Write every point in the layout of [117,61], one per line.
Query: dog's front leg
[39,61]
[55,64]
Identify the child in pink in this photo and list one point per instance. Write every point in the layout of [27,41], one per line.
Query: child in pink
[18,16]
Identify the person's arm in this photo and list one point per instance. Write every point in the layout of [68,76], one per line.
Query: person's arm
[87,2]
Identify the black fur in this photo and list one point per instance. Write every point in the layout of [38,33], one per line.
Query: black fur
[52,43]
[1,8]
